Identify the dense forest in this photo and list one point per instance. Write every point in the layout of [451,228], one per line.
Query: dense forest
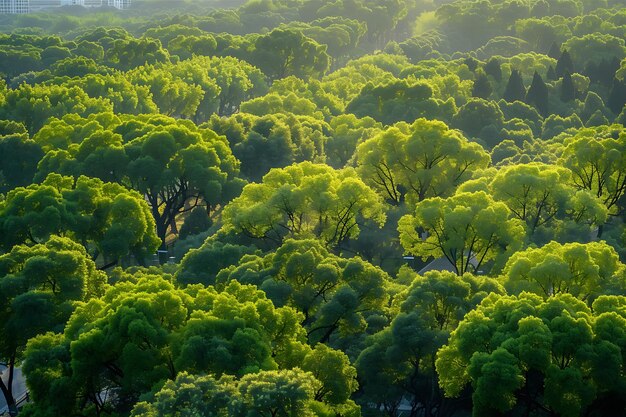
[285,208]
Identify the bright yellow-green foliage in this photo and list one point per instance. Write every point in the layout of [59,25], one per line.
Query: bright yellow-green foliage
[304,200]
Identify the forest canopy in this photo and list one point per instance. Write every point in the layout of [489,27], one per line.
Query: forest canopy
[313,208]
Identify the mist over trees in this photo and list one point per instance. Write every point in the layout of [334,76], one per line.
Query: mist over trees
[313,208]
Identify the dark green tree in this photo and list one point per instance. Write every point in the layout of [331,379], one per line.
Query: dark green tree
[617,96]
[493,68]
[515,90]
[563,64]
[482,87]
[537,94]
[568,90]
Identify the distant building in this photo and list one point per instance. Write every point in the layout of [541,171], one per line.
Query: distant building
[28,6]
[119,4]
[14,6]
[38,5]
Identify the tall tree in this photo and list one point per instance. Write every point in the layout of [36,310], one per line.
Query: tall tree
[482,87]
[399,361]
[493,68]
[537,94]
[585,271]
[568,90]
[564,64]
[515,90]
[109,220]
[284,52]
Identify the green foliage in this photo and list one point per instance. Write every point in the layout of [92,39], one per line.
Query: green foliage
[398,361]
[203,264]
[19,156]
[582,270]
[144,331]
[596,159]
[594,47]
[478,117]
[400,100]
[537,95]
[284,52]
[467,229]
[106,218]
[515,90]
[414,162]
[172,163]
[543,197]
[272,141]
[183,103]
[33,105]
[197,221]
[551,349]
[304,200]
[335,295]
[39,286]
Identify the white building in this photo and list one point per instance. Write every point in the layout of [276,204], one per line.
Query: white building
[27,6]
[119,4]
[14,6]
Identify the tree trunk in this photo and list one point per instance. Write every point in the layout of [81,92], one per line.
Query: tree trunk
[7,391]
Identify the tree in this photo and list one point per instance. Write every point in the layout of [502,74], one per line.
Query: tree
[537,94]
[598,163]
[33,105]
[585,271]
[564,64]
[303,200]
[191,395]
[107,219]
[347,132]
[392,100]
[143,332]
[551,74]
[284,52]
[476,117]
[129,53]
[399,361]
[493,68]
[273,140]
[568,90]
[126,96]
[201,265]
[173,95]
[515,90]
[617,96]
[542,196]
[38,288]
[467,229]
[417,161]
[19,157]
[556,355]
[482,87]
[197,221]
[277,393]
[335,295]
[173,163]
[594,47]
